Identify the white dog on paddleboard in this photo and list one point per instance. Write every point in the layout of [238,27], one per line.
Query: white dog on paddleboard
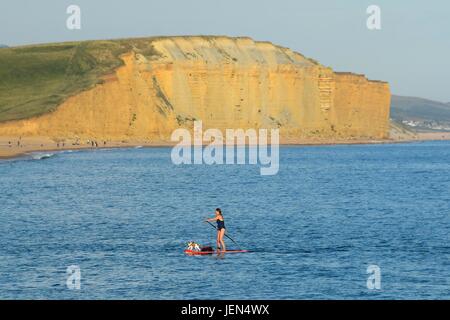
[193,246]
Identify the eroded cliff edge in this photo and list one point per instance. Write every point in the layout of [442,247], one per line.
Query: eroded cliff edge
[226,83]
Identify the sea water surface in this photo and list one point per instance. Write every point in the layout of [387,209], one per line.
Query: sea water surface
[124,215]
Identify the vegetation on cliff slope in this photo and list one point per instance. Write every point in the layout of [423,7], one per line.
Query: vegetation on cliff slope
[35,79]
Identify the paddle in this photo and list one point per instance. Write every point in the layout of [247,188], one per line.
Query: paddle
[225,235]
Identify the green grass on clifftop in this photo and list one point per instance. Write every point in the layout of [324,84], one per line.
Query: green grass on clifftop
[35,79]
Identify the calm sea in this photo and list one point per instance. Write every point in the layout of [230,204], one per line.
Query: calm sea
[123,217]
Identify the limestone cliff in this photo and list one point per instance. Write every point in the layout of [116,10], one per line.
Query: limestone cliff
[226,83]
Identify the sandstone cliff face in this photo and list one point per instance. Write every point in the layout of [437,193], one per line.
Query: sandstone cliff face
[362,106]
[226,83]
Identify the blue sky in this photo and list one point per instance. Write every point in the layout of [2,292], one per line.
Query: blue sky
[411,51]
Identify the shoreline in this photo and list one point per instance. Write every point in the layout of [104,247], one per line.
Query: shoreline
[7,152]
[22,147]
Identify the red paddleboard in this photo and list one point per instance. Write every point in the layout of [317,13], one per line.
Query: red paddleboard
[198,253]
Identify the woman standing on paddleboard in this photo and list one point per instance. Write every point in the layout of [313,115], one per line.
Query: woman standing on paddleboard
[220,229]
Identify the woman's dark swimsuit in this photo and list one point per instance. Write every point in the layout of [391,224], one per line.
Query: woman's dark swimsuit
[220,225]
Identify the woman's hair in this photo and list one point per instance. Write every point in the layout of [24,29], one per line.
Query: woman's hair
[219,210]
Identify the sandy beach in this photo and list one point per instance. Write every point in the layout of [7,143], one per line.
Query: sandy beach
[11,147]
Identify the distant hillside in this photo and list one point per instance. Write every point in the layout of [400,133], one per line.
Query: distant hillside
[3,46]
[421,114]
